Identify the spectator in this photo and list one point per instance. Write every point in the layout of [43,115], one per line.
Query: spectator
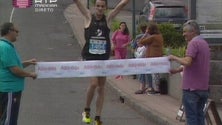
[196,66]
[154,45]
[134,42]
[143,78]
[12,75]
[138,37]
[120,41]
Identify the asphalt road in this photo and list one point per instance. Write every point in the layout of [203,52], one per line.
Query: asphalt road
[47,36]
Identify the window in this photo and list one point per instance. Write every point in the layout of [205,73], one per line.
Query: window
[166,12]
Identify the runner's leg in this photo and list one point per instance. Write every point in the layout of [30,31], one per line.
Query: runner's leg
[100,97]
[91,91]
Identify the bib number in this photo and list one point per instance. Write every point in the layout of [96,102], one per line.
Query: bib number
[97,46]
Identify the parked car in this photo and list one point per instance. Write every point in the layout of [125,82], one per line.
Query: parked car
[163,12]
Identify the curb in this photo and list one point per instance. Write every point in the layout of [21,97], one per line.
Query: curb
[147,112]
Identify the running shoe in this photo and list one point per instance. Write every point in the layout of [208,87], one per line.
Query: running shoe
[86,117]
[119,77]
[97,122]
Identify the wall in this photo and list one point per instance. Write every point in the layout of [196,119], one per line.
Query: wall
[174,82]
[209,11]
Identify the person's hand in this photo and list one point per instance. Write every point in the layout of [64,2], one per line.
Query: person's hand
[173,71]
[29,62]
[124,45]
[33,75]
[139,45]
[32,61]
[145,35]
[171,57]
[113,47]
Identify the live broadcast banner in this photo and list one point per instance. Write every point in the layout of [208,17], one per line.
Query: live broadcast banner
[102,68]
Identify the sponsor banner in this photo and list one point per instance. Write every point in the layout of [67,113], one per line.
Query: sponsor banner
[102,68]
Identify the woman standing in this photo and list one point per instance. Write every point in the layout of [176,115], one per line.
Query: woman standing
[154,49]
[120,41]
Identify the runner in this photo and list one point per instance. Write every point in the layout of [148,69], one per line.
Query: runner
[97,47]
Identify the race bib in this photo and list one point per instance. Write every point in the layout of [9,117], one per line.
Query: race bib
[97,46]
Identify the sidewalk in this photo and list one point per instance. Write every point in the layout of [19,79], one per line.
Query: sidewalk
[162,109]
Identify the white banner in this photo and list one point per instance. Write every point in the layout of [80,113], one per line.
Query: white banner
[102,68]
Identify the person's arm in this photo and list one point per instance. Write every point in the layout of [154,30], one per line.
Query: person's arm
[21,73]
[146,40]
[85,12]
[185,61]
[113,39]
[29,62]
[116,10]
[128,41]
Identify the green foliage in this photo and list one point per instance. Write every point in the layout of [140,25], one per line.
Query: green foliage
[92,2]
[180,51]
[174,42]
[172,38]
[115,25]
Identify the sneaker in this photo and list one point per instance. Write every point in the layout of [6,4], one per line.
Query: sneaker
[97,122]
[153,92]
[150,89]
[86,117]
[117,77]
[140,91]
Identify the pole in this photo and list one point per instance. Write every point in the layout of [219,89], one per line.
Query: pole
[133,19]
[88,4]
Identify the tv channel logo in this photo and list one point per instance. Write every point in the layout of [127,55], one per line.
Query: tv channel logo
[22,3]
[45,5]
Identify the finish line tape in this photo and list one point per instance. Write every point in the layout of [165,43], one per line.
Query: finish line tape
[102,68]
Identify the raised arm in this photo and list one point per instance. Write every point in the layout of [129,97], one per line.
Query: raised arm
[116,10]
[85,12]
[146,40]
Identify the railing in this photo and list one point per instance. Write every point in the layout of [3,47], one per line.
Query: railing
[214,37]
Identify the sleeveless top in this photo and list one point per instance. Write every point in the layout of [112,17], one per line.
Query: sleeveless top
[97,46]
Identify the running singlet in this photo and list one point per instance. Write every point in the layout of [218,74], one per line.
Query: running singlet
[97,46]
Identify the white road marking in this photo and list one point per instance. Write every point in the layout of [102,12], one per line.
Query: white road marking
[11,16]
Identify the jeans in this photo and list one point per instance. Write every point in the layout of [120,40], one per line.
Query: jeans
[194,102]
[145,79]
